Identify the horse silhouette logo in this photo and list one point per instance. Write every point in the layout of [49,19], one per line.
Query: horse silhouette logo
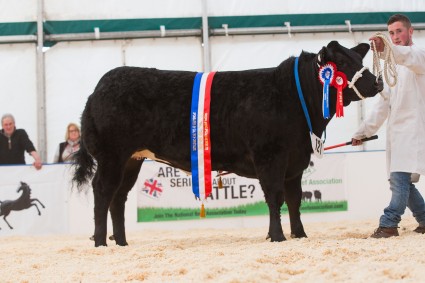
[23,202]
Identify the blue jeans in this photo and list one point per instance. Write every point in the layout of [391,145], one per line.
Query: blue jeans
[404,194]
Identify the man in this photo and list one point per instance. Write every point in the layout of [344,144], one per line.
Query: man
[14,142]
[404,109]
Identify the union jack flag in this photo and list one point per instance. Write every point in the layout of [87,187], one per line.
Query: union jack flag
[152,188]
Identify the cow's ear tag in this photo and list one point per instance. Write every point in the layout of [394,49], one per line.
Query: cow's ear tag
[317,145]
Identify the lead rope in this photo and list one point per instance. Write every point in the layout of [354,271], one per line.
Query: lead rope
[390,72]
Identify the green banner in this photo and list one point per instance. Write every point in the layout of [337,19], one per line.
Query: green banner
[152,214]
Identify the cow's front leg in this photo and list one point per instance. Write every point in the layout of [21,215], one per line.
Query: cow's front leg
[117,207]
[293,195]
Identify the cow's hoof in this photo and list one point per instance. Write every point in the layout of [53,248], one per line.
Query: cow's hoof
[123,244]
[110,238]
[294,236]
[298,233]
[279,238]
[120,241]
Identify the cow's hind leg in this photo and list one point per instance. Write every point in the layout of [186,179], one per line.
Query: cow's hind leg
[293,195]
[117,207]
[105,183]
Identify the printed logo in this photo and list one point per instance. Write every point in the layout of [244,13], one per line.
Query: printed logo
[152,188]
[23,202]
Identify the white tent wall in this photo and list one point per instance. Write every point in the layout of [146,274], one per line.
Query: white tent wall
[19,87]
[125,9]
[73,70]
[18,11]
[259,7]
[121,9]
[165,53]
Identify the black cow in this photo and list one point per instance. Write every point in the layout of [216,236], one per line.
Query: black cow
[258,129]
[306,196]
[318,195]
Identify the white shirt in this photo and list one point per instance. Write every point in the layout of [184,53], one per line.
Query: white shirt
[405,110]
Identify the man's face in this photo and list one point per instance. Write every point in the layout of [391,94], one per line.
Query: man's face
[400,35]
[8,126]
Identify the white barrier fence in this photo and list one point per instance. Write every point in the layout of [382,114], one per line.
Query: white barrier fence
[352,186]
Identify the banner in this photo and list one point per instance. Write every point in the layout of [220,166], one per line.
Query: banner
[164,193]
[34,201]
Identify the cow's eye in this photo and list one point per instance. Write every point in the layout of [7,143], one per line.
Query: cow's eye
[341,63]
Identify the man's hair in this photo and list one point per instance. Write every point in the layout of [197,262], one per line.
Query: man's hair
[8,115]
[399,18]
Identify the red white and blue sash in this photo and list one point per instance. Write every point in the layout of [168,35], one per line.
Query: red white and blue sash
[200,135]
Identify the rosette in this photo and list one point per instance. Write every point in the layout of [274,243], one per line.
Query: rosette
[339,83]
[327,77]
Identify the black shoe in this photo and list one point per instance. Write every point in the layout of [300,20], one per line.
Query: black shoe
[420,229]
[385,232]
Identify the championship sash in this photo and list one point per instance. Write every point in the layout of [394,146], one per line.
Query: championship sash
[200,135]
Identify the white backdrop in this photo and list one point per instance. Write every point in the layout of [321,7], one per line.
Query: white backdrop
[67,211]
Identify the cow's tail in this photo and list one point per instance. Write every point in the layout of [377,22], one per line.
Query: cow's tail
[85,166]
[84,163]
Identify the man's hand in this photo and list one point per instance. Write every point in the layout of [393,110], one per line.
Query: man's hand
[355,142]
[37,164]
[379,43]
[37,160]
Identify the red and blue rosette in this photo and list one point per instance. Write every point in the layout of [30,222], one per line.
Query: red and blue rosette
[327,77]
[340,83]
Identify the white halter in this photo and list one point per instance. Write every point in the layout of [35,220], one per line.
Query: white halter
[357,76]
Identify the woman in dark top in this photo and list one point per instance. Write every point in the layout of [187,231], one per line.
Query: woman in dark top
[70,146]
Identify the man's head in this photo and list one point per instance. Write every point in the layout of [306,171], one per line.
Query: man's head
[8,124]
[400,30]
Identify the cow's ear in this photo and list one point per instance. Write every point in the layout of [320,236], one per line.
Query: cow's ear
[362,49]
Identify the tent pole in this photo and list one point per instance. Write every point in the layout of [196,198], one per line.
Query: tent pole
[205,37]
[41,95]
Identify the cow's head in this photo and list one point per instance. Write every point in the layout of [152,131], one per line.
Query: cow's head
[361,82]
